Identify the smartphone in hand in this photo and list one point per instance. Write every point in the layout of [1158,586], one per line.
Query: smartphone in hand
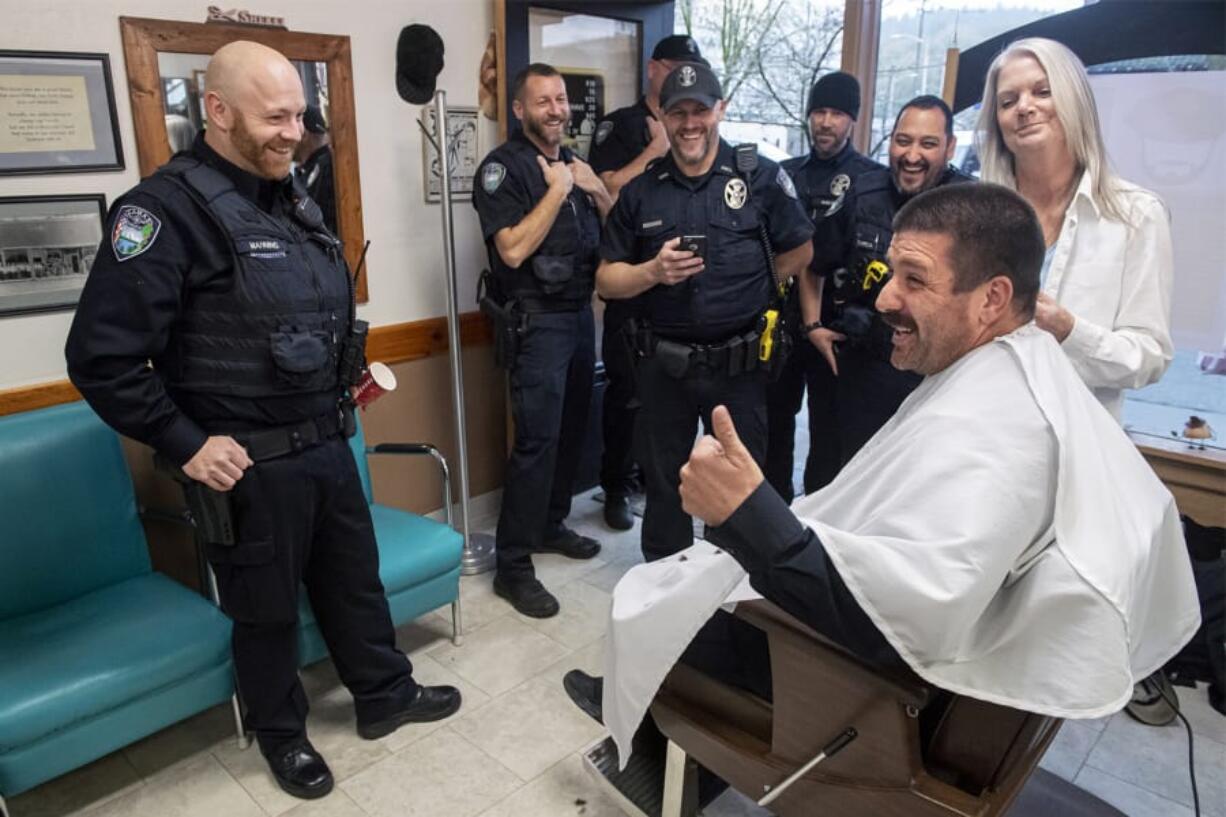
[696,244]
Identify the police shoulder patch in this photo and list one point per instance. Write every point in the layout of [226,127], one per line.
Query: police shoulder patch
[492,176]
[134,232]
[785,181]
[603,131]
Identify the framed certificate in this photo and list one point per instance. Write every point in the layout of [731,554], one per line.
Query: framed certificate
[57,113]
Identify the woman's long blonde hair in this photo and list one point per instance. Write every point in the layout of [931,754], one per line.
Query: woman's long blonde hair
[1075,108]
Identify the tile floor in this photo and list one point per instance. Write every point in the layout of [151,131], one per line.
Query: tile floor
[513,749]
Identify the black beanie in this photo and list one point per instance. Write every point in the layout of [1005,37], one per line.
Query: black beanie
[837,90]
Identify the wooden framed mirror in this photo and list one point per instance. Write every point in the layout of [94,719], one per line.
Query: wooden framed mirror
[165,63]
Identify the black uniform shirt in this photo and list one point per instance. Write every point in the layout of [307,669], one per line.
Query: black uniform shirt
[620,137]
[128,312]
[510,184]
[874,197]
[735,286]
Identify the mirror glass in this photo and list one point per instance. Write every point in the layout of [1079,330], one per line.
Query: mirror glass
[183,88]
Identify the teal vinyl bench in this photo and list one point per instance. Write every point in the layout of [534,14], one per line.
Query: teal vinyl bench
[96,650]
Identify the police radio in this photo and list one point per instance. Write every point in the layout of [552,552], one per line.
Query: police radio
[775,344]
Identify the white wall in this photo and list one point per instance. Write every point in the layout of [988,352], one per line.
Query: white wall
[405,262]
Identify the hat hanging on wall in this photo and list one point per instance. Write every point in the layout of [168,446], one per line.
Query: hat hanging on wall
[419,59]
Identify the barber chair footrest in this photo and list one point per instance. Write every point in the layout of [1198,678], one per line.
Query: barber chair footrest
[639,789]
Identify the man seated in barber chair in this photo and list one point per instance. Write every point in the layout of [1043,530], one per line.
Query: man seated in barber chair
[999,537]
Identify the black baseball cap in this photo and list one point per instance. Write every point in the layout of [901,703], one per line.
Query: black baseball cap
[679,48]
[691,80]
[419,59]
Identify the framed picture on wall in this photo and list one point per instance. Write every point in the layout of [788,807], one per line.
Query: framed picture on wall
[57,113]
[462,154]
[47,246]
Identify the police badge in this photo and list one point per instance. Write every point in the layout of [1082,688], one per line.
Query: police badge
[134,232]
[492,176]
[735,194]
[839,184]
[687,77]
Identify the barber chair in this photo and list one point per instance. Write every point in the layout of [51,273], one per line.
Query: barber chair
[919,751]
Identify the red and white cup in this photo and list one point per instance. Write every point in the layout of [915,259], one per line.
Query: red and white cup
[376,381]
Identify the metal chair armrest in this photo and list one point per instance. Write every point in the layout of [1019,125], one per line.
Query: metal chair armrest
[422,449]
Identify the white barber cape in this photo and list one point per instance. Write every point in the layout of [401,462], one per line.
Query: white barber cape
[1000,530]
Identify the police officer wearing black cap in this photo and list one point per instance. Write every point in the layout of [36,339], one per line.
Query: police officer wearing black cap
[704,329]
[314,158]
[540,208]
[219,271]
[626,141]
[850,256]
[822,179]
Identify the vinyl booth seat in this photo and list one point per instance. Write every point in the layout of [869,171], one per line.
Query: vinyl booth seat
[96,650]
[419,559]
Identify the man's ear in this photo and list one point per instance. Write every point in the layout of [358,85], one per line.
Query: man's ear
[517,108]
[218,111]
[997,298]
[949,151]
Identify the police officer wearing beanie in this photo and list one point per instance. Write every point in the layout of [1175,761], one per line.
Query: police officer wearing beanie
[626,141]
[850,255]
[220,271]
[822,178]
[314,158]
[540,208]
[698,330]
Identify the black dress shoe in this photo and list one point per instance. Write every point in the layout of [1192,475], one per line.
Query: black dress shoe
[587,692]
[617,513]
[527,596]
[430,704]
[568,543]
[301,771]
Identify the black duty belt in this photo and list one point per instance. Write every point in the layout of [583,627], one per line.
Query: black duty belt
[736,355]
[536,306]
[270,443]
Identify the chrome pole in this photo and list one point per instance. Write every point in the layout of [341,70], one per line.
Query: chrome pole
[478,548]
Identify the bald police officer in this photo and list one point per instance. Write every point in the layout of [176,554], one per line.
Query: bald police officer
[220,271]
[699,330]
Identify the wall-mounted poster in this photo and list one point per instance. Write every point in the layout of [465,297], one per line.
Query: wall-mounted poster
[47,246]
[57,113]
[462,154]
[585,90]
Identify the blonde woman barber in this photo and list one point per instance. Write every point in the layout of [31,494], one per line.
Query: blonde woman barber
[1106,292]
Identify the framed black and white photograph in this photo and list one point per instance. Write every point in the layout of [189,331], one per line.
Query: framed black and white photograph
[47,246]
[57,113]
[462,154]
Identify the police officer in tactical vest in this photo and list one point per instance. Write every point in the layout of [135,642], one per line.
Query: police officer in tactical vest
[823,178]
[219,270]
[704,238]
[850,256]
[626,140]
[540,209]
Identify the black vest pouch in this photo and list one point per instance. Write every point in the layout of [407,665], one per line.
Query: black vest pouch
[300,356]
[553,272]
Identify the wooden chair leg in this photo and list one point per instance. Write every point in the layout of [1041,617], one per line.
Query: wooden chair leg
[680,784]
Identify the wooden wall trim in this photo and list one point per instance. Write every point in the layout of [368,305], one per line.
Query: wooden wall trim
[394,343]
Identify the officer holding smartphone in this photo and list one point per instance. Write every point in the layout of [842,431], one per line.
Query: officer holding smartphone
[693,238]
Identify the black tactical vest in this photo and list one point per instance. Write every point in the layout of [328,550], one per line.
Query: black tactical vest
[562,271]
[278,330]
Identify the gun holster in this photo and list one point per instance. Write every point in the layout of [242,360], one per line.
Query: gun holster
[212,511]
[509,322]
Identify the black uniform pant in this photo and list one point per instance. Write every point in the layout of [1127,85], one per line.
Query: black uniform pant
[868,392]
[806,368]
[664,435]
[300,520]
[551,392]
[619,408]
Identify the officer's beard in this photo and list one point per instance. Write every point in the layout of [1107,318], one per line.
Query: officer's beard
[268,163]
[693,153]
[547,130]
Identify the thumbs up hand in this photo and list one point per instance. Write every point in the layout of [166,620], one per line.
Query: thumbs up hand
[721,473]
